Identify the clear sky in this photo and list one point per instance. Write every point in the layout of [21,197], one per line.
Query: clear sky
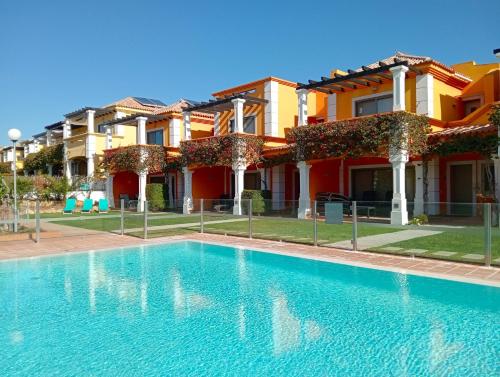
[57,56]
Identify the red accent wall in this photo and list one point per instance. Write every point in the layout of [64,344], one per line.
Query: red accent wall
[125,183]
[208,183]
[324,176]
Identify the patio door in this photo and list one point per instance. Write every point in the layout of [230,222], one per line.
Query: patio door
[461,194]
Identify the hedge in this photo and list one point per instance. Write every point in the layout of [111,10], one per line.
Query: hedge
[157,196]
[260,200]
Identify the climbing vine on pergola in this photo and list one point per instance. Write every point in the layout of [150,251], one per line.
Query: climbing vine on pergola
[135,158]
[369,136]
[51,155]
[222,150]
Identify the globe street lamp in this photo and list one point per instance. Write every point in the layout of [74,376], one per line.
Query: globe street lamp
[14,136]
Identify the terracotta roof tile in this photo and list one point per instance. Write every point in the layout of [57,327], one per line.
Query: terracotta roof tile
[463,130]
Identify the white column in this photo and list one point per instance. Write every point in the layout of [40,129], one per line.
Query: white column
[109,137]
[433,187]
[425,94]
[418,202]
[239,168]
[109,191]
[278,187]
[187,206]
[141,130]
[187,125]
[142,190]
[304,196]
[90,121]
[399,213]
[90,149]
[174,129]
[66,161]
[271,108]
[216,124]
[49,138]
[302,103]
[238,114]
[398,87]
[119,128]
[332,107]
[67,170]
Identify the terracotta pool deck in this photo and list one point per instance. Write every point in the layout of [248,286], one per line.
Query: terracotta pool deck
[416,266]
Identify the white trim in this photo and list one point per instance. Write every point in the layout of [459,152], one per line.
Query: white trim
[174,132]
[271,93]
[332,107]
[424,94]
[368,96]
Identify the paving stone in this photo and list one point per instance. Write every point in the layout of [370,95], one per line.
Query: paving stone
[391,248]
[444,253]
[416,251]
[473,256]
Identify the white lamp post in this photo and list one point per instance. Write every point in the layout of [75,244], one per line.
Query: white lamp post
[14,136]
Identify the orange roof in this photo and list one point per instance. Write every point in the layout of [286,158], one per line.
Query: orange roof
[132,103]
[464,130]
[250,85]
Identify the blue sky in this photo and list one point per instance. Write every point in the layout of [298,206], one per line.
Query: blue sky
[58,56]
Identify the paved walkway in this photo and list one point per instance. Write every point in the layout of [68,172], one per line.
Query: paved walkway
[368,242]
[417,266]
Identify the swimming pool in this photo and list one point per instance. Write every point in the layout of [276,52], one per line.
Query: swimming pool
[199,309]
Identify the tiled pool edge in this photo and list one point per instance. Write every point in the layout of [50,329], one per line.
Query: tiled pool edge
[453,271]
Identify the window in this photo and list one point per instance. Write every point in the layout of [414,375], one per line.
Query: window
[248,125]
[487,179]
[101,129]
[471,105]
[376,105]
[155,137]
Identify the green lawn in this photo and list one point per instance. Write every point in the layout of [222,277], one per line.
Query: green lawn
[301,231]
[466,240]
[136,220]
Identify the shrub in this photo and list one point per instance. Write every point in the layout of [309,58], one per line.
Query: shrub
[5,167]
[157,196]
[259,197]
[420,220]
[25,186]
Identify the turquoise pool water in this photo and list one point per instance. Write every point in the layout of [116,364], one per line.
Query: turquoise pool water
[197,309]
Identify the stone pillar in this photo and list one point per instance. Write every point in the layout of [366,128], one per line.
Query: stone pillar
[67,170]
[187,206]
[142,190]
[278,186]
[90,149]
[141,130]
[432,194]
[109,137]
[418,202]
[174,132]
[216,124]
[332,107]
[109,190]
[304,196]
[263,179]
[238,114]
[271,108]
[302,103]
[239,168]
[398,85]
[425,94]
[186,115]
[399,213]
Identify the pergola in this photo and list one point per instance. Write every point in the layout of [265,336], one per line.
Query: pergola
[365,77]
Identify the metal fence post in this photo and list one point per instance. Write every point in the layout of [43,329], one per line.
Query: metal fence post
[202,224]
[250,213]
[122,217]
[145,219]
[37,221]
[354,226]
[487,234]
[315,216]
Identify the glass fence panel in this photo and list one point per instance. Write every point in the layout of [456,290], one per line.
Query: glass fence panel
[495,235]
[165,221]
[224,216]
[443,231]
